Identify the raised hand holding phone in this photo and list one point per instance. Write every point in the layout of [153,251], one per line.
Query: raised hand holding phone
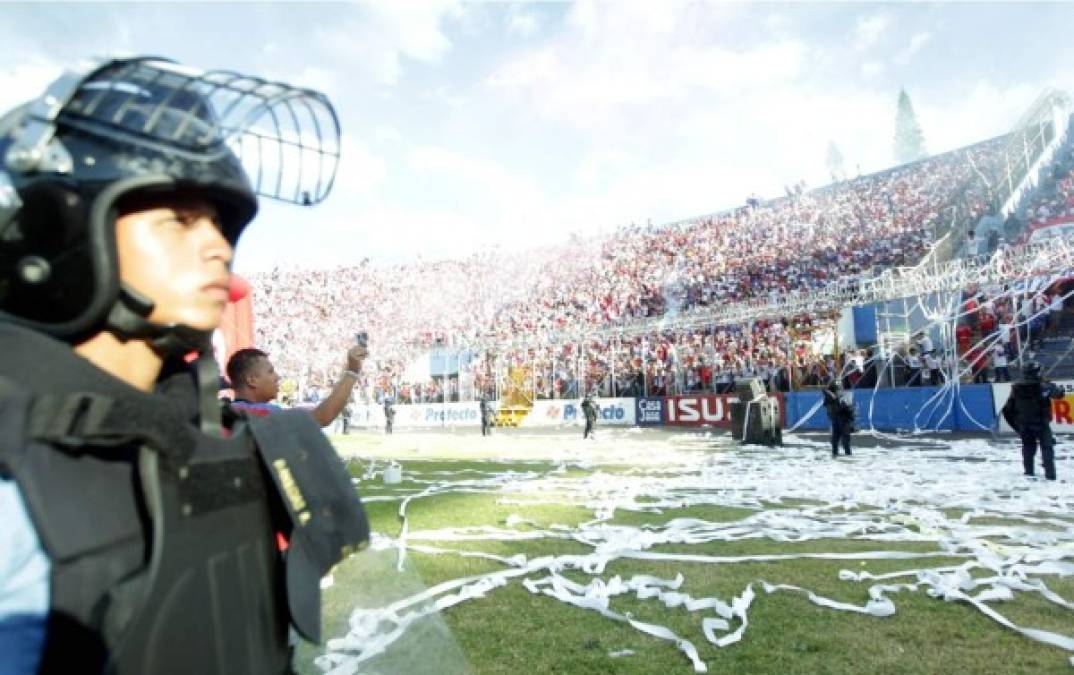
[357,354]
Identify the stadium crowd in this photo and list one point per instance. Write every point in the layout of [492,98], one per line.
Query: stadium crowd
[1055,200]
[762,251]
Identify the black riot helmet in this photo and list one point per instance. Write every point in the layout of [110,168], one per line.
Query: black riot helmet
[130,126]
[1031,371]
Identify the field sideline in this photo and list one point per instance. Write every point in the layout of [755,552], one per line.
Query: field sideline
[652,506]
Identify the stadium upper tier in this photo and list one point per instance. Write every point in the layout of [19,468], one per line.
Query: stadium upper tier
[306,318]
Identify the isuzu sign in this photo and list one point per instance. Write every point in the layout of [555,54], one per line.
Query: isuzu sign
[697,410]
[705,409]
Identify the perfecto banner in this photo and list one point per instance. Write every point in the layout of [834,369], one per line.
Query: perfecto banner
[438,415]
[367,416]
[1062,409]
[705,410]
[568,412]
[421,415]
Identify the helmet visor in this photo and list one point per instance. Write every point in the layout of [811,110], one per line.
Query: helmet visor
[287,139]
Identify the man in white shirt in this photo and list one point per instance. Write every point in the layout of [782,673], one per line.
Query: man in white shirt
[932,367]
[1055,312]
[999,363]
[925,343]
[913,366]
[1006,327]
[723,380]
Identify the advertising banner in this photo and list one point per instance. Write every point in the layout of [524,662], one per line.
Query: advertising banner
[438,415]
[568,412]
[705,410]
[425,415]
[363,416]
[650,412]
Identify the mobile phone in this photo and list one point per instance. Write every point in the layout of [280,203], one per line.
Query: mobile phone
[361,339]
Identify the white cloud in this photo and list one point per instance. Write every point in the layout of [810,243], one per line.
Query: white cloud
[871,69]
[376,41]
[594,72]
[25,81]
[481,184]
[917,42]
[448,96]
[869,29]
[319,79]
[360,170]
[522,24]
[959,121]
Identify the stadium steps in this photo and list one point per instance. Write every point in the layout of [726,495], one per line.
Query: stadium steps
[1055,354]
[1056,357]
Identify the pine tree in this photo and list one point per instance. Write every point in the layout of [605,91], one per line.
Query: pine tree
[835,162]
[909,141]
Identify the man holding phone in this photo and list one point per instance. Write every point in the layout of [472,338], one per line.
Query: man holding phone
[256,383]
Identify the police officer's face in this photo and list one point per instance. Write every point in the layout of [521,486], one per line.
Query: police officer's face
[171,250]
[264,381]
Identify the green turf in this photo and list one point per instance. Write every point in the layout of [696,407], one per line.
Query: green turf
[513,631]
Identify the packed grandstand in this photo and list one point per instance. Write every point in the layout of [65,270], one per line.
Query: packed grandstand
[549,317]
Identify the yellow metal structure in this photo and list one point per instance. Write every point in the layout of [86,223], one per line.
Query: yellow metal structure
[517,399]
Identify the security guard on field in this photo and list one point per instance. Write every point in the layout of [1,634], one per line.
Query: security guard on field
[841,413]
[389,416]
[1029,412]
[141,531]
[486,416]
[591,410]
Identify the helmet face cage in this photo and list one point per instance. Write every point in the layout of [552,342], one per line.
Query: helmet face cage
[286,139]
[141,124]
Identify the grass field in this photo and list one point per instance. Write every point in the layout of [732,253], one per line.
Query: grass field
[955,503]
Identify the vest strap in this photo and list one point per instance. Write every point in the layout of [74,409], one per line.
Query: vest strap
[73,421]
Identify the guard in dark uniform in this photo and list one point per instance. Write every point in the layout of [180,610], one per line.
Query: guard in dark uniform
[176,540]
[841,414]
[1029,412]
[591,410]
[486,416]
[389,416]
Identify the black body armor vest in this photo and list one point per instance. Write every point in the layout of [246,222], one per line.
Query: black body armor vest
[1030,403]
[162,540]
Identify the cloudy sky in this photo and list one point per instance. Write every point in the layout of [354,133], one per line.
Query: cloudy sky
[471,124]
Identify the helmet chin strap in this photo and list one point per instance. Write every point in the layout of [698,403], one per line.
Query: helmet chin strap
[129,320]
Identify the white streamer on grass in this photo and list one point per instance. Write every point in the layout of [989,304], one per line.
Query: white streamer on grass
[884,496]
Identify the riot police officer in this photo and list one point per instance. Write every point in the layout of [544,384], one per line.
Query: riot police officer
[590,409]
[841,413]
[1029,412]
[389,416]
[486,416]
[139,537]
